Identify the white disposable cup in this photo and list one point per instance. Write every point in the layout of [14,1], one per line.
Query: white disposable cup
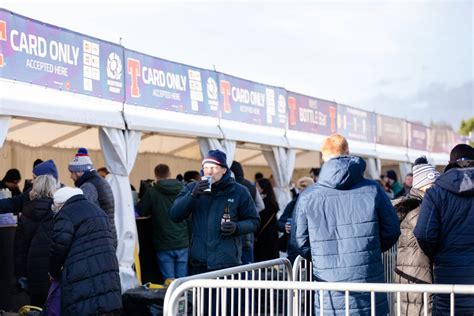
[209,181]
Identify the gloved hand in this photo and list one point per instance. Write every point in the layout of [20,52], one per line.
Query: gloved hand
[22,283]
[228,228]
[199,188]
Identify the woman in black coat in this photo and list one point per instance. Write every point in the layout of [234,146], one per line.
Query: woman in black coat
[83,257]
[33,240]
[266,238]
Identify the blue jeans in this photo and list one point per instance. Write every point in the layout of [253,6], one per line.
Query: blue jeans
[173,263]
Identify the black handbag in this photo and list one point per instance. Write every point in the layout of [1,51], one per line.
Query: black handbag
[283,242]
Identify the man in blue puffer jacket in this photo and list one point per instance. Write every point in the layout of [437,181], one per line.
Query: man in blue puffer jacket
[215,243]
[445,229]
[346,222]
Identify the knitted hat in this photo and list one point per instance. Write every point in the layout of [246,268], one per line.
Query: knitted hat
[46,167]
[12,175]
[461,152]
[64,194]
[81,162]
[391,174]
[424,174]
[216,157]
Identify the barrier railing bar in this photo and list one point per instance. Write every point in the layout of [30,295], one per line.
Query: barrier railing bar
[327,286]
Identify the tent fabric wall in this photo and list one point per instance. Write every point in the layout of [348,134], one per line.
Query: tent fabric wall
[120,150]
[4,123]
[225,145]
[405,168]
[282,162]
[373,169]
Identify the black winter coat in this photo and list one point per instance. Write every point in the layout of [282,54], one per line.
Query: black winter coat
[266,238]
[32,243]
[83,256]
[445,232]
[98,191]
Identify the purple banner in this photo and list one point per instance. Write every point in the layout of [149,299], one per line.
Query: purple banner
[165,85]
[356,124]
[442,140]
[307,114]
[46,55]
[417,136]
[391,131]
[250,102]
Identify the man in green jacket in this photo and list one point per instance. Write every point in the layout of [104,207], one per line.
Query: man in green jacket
[170,239]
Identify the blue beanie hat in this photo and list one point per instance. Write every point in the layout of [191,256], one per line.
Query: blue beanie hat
[216,157]
[46,167]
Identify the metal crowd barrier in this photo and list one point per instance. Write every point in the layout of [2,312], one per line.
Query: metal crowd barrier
[198,286]
[303,271]
[218,302]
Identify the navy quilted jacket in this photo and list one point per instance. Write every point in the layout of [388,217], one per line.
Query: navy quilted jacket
[445,232]
[82,255]
[347,222]
[208,246]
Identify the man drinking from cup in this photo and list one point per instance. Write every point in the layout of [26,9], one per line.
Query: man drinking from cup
[215,244]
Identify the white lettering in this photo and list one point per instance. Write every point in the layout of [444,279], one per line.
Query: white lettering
[13,34]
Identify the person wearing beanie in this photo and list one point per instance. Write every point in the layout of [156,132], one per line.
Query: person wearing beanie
[445,225]
[221,215]
[96,189]
[33,235]
[82,257]
[28,184]
[391,180]
[413,266]
[11,181]
[460,156]
[15,203]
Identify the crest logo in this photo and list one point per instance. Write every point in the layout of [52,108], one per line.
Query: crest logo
[114,67]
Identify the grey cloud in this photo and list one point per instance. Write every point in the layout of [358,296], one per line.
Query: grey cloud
[437,102]
[394,80]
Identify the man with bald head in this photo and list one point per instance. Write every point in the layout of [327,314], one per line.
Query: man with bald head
[343,223]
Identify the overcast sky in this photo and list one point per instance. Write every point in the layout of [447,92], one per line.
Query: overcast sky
[410,59]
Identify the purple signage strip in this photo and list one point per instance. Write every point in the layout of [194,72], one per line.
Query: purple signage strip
[307,114]
[356,124]
[391,131]
[250,102]
[417,136]
[442,140]
[166,85]
[46,55]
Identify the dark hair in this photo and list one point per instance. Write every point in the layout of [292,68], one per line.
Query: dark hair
[191,175]
[409,175]
[315,171]
[179,177]
[269,200]
[258,176]
[420,160]
[103,169]
[12,175]
[162,171]
[37,162]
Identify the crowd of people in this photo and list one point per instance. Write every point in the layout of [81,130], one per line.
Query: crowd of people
[215,218]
